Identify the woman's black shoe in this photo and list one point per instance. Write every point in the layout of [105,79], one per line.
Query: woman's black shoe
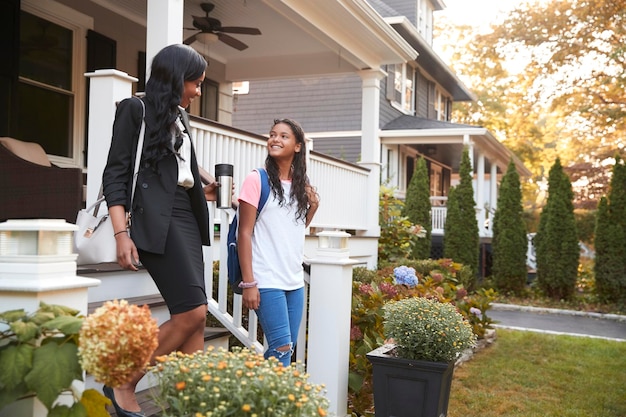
[108,392]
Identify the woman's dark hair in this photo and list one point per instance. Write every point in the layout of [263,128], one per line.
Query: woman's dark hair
[299,178]
[171,67]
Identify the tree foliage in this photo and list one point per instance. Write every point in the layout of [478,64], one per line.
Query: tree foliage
[509,236]
[610,240]
[461,241]
[417,207]
[550,80]
[556,242]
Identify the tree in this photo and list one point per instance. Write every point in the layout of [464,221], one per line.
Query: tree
[460,240]
[417,207]
[610,240]
[564,93]
[556,242]
[509,236]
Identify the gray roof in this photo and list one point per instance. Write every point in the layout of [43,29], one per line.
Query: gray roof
[406,122]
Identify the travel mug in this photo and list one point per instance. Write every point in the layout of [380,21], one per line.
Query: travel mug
[224,175]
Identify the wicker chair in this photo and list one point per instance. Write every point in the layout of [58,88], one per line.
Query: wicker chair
[32,188]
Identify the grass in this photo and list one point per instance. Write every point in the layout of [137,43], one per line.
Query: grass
[538,375]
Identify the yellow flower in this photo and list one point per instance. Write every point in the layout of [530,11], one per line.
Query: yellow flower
[246,408]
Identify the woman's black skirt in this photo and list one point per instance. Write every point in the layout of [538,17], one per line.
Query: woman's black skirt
[179,272]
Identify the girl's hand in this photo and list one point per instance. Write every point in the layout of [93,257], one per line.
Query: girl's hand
[314,202]
[251,298]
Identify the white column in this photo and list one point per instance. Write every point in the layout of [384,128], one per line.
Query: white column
[165,27]
[493,194]
[37,264]
[330,300]
[480,193]
[107,87]
[370,144]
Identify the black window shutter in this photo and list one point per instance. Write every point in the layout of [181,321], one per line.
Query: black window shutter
[9,65]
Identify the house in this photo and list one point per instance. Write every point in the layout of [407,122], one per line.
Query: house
[412,120]
[360,75]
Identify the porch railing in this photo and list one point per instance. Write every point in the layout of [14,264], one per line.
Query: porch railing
[342,185]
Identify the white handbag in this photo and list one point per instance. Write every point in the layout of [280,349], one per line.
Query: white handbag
[94,241]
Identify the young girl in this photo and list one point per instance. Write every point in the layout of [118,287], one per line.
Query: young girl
[169,211]
[271,247]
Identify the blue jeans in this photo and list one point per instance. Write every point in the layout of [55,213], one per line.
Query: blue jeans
[280,313]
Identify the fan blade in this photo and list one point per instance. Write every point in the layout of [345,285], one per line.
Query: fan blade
[241,30]
[190,39]
[230,41]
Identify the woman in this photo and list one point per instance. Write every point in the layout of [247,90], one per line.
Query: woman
[271,247]
[169,211]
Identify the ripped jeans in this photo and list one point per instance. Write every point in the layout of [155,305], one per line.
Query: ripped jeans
[280,313]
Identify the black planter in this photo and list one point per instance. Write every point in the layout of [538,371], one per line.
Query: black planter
[409,388]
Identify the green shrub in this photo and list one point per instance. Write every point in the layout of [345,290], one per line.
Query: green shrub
[417,207]
[397,234]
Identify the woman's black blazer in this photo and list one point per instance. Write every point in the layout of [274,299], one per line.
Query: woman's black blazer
[155,190]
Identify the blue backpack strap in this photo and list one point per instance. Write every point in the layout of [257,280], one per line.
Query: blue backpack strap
[265,189]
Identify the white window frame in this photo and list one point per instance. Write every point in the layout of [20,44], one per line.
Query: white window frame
[441,108]
[403,77]
[425,20]
[78,23]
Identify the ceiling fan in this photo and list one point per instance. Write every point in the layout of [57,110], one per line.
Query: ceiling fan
[210,25]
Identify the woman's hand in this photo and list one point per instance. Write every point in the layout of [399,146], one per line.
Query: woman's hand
[127,256]
[211,190]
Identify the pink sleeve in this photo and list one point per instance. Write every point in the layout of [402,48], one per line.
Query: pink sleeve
[251,189]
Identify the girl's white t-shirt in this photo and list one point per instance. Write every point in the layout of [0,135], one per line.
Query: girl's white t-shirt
[277,239]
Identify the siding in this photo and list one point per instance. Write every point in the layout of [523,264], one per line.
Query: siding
[392,8]
[320,104]
[348,149]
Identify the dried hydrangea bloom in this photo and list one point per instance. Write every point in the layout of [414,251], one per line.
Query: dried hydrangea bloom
[117,340]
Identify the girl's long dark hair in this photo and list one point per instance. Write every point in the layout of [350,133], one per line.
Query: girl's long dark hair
[171,67]
[299,178]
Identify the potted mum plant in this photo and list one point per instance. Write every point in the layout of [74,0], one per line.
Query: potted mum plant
[412,374]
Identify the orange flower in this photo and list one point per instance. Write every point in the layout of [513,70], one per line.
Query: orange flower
[246,408]
[181,385]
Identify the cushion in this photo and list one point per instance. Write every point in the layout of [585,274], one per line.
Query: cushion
[30,151]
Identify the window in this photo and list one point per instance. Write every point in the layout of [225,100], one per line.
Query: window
[425,20]
[442,107]
[209,99]
[402,86]
[50,101]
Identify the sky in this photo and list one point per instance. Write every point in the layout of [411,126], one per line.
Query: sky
[475,12]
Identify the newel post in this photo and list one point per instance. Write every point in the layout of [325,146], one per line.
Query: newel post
[329,318]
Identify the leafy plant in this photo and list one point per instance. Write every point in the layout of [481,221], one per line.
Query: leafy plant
[39,358]
[426,329]
[235,383]
[397,234]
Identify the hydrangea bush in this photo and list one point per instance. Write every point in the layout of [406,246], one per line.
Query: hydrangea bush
[238,383]
[116,340]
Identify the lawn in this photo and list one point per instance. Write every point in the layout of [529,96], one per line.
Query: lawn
[538,375]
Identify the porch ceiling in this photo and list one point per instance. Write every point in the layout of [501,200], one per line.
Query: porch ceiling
[445,145]
[298,38]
